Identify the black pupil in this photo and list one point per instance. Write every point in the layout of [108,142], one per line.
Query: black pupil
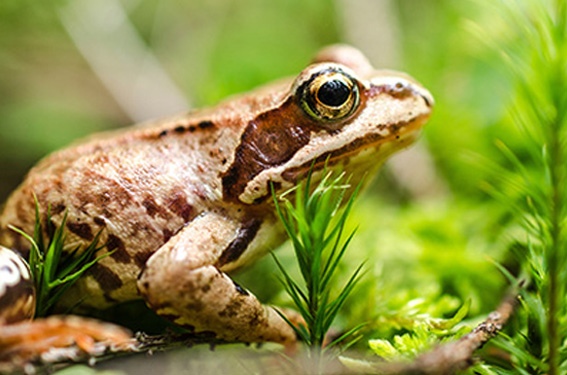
[333,93]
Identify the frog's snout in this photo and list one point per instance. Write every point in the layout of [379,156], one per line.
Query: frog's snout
[400,85]
[408,86]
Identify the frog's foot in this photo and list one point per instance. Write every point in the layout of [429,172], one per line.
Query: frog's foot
[182,284]
[209,301]
[24,342]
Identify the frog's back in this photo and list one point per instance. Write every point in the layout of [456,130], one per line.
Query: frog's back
[138,187]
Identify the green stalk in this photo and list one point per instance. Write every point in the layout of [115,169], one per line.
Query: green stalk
[552,256]
[557,179]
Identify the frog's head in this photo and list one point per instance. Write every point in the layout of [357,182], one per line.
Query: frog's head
[339,111]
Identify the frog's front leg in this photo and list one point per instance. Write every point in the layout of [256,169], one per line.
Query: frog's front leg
[182,282]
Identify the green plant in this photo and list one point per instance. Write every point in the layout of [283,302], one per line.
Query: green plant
[423,332]
[315,225]
[54,271]
[535,183]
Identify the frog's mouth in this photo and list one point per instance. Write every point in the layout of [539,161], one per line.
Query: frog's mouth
[403,135]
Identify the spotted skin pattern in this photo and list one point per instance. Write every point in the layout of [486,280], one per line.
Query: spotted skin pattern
[183,201]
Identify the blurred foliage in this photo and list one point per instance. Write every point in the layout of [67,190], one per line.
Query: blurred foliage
[534,184]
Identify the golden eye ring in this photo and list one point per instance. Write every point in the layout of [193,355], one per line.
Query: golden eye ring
[330,95]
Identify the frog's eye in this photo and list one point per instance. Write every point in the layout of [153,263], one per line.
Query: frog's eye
[330,96]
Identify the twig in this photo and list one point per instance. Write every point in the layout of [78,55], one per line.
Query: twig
[57,358]
[147,343]
[458,355]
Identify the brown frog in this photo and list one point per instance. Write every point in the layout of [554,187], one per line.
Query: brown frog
[183,201]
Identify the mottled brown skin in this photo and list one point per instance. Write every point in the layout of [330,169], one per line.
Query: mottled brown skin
[140,185]
[184,200]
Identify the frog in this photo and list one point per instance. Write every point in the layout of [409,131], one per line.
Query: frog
[181,203]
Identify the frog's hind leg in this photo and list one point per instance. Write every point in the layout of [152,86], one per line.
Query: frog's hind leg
[182,284]
[23,340]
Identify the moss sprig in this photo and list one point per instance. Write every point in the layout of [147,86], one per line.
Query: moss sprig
[315,223]
[55,270]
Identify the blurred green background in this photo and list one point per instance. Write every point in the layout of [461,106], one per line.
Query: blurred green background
[427,229]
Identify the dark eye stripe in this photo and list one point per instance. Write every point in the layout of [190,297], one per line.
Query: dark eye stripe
[270,139]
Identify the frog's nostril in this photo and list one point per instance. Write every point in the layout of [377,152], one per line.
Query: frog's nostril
[427,98]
